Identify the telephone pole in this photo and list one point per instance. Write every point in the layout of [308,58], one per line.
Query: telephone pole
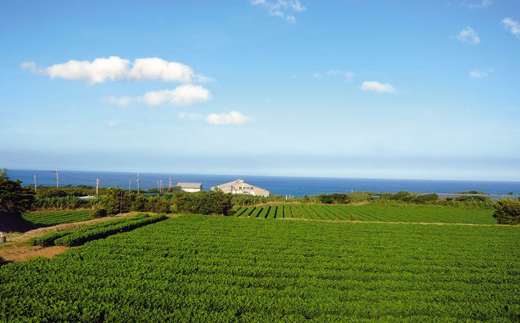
[138,183]
[169,184]
[34,183]
[97,186]
[57,178]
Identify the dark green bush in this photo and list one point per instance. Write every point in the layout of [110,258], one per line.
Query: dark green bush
[99,213]
[507,211]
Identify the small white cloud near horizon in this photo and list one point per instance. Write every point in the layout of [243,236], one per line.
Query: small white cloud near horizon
[348,75]
[112,124]
[478,74]
[467,35]
[512,26]
[232,117]
[280,8]
[481,5]
[375,86]
[182,95]
[115,68]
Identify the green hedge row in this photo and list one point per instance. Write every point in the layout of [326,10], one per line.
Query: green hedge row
[79,238]
[49,238]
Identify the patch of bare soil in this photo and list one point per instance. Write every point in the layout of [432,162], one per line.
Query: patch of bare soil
[24,253]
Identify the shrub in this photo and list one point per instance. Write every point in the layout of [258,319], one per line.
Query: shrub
[99,213]
[507,211]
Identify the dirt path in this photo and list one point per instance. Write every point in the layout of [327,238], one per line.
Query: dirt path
[26,252]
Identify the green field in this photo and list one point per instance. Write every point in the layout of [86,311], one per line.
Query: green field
[45,219]
[417,214]
[224,269]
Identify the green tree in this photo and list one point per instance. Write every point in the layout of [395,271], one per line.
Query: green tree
[14,199]
[507,211]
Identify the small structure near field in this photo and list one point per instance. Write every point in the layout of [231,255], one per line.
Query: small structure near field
[190,187]
[239,187]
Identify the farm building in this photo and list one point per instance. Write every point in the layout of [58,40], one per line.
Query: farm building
[239,187]
[190,187]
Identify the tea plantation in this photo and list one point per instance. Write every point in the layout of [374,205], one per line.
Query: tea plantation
[228,269]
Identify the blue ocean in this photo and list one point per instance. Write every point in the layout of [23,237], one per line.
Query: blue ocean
[291,186]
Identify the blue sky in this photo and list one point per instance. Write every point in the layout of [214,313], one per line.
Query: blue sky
[360,89]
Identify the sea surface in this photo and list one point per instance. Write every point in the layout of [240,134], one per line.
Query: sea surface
[291,186]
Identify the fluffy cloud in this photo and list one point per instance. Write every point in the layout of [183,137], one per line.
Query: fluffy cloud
[468,35]
[182,95]
[232,117]
[374,86]
[280,8]
[477,74]
[111,124]
[117,69]
[480,5]
[348,75]
[512,26]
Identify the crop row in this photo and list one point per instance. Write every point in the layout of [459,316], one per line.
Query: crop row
[218,269]
[434,214]
[45,219]
[91,232]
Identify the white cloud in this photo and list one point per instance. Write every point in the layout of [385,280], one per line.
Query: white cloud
[317,75]
[111,124]
[181,95]
[348,75]
[232,117]
[377,87]
[115,68]
[280,8]
[157,69]
[480,5]
[477,74]
[468,35]
[512,26]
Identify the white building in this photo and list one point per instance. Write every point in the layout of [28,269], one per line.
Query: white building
[239,187]
[190,187]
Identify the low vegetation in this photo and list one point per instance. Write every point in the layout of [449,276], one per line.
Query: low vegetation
[93,232]
[223,269]
[399,213]
[46,219]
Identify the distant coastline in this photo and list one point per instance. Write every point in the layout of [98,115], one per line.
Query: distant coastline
[293,186]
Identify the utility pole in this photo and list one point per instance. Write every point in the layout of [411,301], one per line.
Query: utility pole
[35,183]
[57,178]
[97,186]
[138,183]
[169,184]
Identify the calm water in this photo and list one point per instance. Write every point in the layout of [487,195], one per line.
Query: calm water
[295,186]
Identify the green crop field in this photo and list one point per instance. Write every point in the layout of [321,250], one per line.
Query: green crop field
[45,219]
[224,269]
[427,214]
